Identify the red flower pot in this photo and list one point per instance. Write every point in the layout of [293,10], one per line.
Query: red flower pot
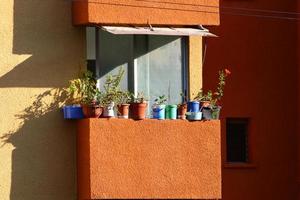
[123,111]
[92,111]
[138,110]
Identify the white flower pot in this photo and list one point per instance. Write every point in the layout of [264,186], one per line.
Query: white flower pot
[109,110]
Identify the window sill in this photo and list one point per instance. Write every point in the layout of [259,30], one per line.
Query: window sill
[239,165]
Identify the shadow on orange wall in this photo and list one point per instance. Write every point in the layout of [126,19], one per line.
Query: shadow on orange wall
[262,56]
[298,99]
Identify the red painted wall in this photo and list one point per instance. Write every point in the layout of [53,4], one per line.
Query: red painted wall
[298,72]
[262,55]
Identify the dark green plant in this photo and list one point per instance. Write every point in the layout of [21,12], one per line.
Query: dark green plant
[140,98]
[111,87]
[84,89]
[215,97]
[161,100]
[202,96]
[124,97]
[221,84]
[99,97]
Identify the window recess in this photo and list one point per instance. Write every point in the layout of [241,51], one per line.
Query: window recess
[155,59]
[237,140]
[154,65]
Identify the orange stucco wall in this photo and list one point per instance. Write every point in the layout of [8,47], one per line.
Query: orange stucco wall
[148,159]
[262,55]
[142,12]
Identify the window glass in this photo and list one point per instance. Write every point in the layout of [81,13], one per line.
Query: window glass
[91,43]
[160,70]
[114,52]
[153,64]
[91,48]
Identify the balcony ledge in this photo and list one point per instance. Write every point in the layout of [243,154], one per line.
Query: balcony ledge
[127,159]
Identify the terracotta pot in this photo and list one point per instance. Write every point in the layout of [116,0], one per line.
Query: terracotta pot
[92,111]
[182,109]
[138,110]
[123,111]
[204,104]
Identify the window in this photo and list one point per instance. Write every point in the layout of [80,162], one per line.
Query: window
[237,140]
[154,65]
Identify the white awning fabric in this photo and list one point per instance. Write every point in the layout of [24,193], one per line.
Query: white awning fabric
[121,30]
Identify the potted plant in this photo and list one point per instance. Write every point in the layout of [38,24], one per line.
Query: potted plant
[204,99]
[193,106]
[123,104]
[138,107]
[159,107]
[111,93]
[84,92]
[210,102]
[182,108]
[217,96]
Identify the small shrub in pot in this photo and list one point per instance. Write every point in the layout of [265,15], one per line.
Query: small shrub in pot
[123,104]
[210,101]
[84,91]
[182,108]
[138,107]
[159,107]
[111,93]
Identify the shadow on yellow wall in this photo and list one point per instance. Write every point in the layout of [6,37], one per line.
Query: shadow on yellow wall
[44,30]
[43,163]
[44,159]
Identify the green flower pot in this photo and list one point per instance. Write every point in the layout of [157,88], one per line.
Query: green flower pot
[171,112]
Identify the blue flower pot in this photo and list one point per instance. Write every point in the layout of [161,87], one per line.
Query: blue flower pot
[159,112]
[73,112]
[193,106]
[194,116]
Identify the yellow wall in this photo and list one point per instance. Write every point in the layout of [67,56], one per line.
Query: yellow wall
[39,52]
[195,65]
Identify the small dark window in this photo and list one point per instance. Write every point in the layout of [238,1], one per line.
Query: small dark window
[237,139]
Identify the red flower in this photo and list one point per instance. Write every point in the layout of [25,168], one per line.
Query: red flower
[227,72]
